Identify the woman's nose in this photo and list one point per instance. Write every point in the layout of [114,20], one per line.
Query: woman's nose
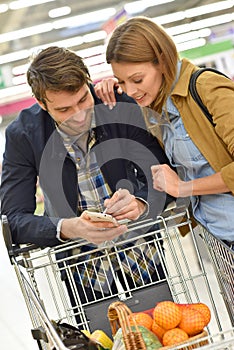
[130,89]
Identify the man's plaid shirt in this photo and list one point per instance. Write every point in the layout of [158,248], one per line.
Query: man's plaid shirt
[97,270]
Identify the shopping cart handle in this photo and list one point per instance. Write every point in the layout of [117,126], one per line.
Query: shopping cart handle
[13,250]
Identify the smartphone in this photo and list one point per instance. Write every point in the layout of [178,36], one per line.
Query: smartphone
[97,217]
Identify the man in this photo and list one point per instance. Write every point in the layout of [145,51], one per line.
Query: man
[84,156]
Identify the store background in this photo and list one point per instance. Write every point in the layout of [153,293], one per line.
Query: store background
[202,29]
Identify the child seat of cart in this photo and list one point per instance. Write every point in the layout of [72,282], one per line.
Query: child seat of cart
[137,299]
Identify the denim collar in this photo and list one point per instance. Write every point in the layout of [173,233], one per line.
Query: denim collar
[170,107]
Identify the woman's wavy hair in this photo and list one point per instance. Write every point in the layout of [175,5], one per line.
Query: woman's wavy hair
[56,69]
[140,40]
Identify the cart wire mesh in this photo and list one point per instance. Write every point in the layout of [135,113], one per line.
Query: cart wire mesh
[48,278]
[222,257]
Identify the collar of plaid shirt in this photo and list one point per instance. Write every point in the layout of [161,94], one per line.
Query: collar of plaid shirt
[92,187]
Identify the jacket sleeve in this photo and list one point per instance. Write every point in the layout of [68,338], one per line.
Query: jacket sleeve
[18,189]
[218,97]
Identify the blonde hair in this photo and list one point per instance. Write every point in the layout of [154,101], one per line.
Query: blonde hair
[140,40]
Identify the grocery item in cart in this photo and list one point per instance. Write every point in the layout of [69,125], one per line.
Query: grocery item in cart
[178,322]
[73,338]
[169,314]
[174,336]
[127,336]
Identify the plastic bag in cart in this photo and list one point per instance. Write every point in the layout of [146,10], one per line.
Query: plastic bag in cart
[73,338]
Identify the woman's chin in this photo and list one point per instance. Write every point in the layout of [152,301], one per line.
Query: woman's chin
[143,103]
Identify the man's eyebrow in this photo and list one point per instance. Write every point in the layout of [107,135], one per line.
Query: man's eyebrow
[64,107]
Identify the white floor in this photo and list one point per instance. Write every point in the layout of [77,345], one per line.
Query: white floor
[15,324]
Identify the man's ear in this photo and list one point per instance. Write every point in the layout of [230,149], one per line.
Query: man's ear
[42,105]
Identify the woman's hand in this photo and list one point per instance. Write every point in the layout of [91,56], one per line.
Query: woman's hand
[105,91]
[123,205]
[166,180]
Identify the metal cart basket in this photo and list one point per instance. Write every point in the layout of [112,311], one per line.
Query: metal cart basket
[48,279]
[222,258]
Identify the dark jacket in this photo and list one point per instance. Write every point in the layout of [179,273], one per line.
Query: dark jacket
[34,149]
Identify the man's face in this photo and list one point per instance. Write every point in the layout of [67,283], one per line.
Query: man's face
[72,111]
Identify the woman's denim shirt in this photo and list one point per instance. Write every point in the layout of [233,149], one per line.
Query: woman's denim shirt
[215,211]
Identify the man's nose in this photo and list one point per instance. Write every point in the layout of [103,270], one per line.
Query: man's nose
[78,114]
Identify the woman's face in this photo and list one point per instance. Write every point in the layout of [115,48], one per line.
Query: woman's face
[141,81]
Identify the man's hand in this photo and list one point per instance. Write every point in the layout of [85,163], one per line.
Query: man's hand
[123,205]
[93,232]
[105,91]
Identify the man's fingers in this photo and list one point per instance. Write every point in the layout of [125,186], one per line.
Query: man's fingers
[106,234]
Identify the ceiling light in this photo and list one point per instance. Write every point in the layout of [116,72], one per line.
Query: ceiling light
[89,53]
[213,21]
[92,51]
[14,56]
[19,80]
[22,33]
[15,5]
[76,21]
[3,8]
[182,28]
[141,5]
[22,69]
[192,44]
[204,23]
[76,41]
[8,94]
[86,18]
[202,10]
[59,12]
[170,17]
[192,35]
[99,35]
[193,12]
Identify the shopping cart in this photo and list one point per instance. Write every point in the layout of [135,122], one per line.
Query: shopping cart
[222,257]
[48,280]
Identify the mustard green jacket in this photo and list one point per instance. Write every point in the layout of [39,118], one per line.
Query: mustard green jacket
[215,143]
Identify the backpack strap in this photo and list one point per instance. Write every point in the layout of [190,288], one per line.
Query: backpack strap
[194,93]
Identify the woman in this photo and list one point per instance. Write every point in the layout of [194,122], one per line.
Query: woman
[147,66]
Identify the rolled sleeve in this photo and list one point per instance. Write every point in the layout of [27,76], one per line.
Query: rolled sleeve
[227,173]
